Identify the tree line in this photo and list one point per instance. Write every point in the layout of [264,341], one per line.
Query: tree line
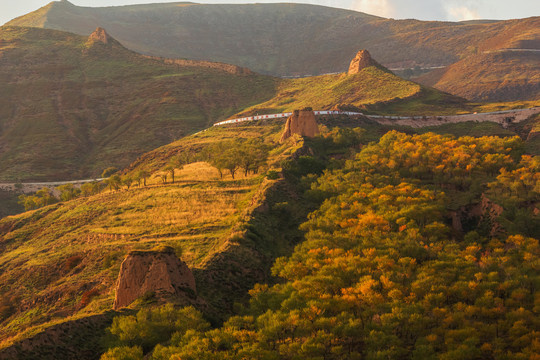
[231,156]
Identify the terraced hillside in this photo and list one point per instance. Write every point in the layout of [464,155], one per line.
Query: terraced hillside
[71,106]
[60,262]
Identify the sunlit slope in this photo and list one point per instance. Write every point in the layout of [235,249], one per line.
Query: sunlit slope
[374,88]
[70,106]
[62,261]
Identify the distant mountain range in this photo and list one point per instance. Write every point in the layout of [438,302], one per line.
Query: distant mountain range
[298,40]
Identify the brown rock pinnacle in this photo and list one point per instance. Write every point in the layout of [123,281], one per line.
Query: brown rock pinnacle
[361,61]
[152,271]
[301,122]
[100,35]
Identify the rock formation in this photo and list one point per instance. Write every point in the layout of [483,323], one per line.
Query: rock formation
[301,122]
[99,35]
[157,271]
[361,61]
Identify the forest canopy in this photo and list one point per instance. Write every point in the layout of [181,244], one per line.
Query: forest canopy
[426,247]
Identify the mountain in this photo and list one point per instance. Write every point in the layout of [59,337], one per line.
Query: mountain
[496,75]
[291,39]
[73,105]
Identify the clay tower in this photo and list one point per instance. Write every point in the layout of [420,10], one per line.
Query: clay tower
[361,61]
[158,271]
[301,122]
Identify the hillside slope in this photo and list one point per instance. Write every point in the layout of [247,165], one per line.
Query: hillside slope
[283,39]
[71,106]
[367,86]
[61,262]
[499,75]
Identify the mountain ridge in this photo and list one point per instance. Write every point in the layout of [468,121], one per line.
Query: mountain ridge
[70,107]
[290,39]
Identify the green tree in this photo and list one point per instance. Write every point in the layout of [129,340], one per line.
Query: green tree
[68,192]
[108,172]
[124,353]
[114,182]
[170,169]
[127,181]
[141,175]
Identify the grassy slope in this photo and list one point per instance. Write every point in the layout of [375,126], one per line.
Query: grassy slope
[371,85]
[374,89]
[210,221]
[69,109]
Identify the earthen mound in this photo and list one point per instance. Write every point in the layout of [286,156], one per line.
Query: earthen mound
[361,61]
[301,122]
[157,271]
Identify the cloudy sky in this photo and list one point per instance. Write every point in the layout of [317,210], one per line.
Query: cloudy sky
[454,10]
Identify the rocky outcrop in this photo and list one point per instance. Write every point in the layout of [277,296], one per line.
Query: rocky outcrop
[301,122]
[160,272]
[485,212]
[100,36]
[100,39]
[361,61]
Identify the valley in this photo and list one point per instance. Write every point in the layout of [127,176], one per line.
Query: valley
[207,181]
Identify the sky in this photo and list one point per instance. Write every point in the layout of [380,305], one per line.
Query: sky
[453,10]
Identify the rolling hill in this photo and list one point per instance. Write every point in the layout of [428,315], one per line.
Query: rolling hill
[72,105]
[222,227]
[289,39]
[368,88]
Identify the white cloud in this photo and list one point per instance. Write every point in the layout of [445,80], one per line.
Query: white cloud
[374,7]
[454,10]
[462,13]
[402,9]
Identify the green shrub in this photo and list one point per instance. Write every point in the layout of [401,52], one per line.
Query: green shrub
[123,353]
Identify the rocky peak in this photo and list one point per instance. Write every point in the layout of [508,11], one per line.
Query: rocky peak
[361,61]
[100,35]
[159,271]
[301,122]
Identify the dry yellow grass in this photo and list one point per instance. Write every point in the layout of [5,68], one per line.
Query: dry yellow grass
[196,216]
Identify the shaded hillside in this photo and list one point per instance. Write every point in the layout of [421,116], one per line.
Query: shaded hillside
[61,262]
[71,105]
[282,39]
[491,76]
